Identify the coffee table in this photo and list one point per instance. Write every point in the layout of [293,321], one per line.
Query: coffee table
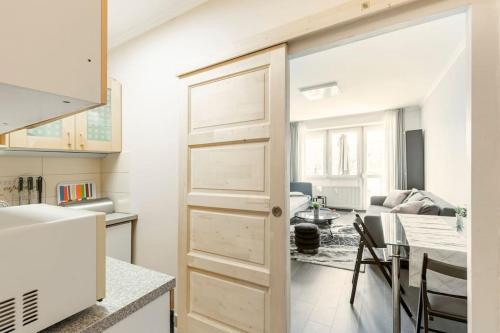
[324,218]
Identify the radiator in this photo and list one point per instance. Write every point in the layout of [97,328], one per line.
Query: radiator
[348,197]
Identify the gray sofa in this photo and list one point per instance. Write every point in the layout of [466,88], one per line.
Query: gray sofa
[372,216]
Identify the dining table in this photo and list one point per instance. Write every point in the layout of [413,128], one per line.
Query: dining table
[409,236]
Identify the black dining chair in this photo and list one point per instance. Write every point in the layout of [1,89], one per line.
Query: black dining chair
[369,254]
[433,303]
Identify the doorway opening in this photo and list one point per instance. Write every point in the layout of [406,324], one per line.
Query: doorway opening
[383,113]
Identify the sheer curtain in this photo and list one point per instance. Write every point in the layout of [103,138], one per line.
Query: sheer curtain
[391,139]
[295,151]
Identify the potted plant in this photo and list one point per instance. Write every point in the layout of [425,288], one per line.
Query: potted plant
[460,213]
[316,206]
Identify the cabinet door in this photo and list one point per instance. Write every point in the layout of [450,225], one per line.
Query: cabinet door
[57,135]
[99,129]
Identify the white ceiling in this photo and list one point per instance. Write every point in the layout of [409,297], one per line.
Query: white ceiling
[130,18]
[392,70]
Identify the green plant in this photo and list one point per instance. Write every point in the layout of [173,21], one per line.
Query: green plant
[461,211]
[315,205]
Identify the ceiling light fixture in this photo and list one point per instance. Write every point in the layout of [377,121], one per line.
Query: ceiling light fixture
[320,91]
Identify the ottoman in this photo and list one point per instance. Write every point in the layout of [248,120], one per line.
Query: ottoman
[307,238]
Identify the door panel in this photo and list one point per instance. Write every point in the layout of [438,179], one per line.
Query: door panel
[229,167]
[238,236]
[233,253]
[235,304]
[214,103]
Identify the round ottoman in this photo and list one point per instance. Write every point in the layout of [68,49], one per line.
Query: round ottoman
[307,238]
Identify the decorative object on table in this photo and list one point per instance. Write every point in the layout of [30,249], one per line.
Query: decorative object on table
[321,200]
[75,191]
[460,213]
[307,238]
[316,206]
[337,251]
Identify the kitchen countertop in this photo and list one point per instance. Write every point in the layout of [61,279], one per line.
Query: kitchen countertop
[128,288]
[115,218]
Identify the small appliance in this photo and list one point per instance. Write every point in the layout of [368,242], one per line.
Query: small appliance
[52,265]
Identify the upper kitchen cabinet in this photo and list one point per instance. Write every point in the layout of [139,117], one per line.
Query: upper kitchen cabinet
[55,135]
[100,129]
[53,61]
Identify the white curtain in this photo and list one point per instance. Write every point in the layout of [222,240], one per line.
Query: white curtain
[296,151]
[391,148]
[344,166]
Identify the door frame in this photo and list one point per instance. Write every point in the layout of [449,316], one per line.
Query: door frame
[352,19]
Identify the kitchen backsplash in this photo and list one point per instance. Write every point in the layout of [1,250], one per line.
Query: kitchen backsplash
[53,170]
[110,175]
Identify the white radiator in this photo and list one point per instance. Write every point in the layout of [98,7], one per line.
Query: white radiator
[348,197]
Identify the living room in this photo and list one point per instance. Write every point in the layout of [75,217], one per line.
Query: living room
[378,128]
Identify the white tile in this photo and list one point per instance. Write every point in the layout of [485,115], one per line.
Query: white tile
[116,182]
[121,201]
[118,162]
[70,165]
[16,166]
[51,182]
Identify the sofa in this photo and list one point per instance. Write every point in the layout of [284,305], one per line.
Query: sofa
[372,215]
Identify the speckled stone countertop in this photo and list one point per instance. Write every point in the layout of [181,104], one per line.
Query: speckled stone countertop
[128,288]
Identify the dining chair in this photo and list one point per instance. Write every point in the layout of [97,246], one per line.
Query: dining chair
[369,254]
[433,303]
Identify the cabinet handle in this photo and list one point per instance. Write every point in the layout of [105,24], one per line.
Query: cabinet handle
[81,141]
[69,138]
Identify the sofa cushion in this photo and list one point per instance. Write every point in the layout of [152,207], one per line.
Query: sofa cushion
[412,207]
[412,193]
[429,208]
[395,198]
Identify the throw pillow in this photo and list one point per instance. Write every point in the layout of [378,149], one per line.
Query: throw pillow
[412,193]
[408,208]
[429,208]
[417,197]
[395,198]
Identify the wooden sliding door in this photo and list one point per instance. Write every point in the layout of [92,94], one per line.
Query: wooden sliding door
[233,250]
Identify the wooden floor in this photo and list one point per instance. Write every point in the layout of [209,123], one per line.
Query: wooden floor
[320,302]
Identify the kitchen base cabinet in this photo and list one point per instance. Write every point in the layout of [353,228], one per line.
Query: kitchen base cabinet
[119,241]
[153,318]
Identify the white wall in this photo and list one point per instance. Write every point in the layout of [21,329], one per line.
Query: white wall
[147,67]
[444,124]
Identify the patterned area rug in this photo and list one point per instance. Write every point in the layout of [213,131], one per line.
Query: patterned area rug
[338,251]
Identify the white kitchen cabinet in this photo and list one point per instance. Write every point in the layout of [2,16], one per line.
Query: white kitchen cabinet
[53,61]
[152,318]
[57,135]
[119,241]
[96,130]
[100,129]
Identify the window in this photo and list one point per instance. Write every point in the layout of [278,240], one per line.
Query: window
[314,157]
[344,152]
[374,159]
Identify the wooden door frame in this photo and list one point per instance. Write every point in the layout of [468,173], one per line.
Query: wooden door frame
[354,18]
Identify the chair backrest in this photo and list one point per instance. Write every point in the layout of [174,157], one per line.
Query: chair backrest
[365,237]
[305,188]
[359,221]
[443,268]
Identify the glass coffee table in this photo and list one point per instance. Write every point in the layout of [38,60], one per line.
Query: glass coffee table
[323,219]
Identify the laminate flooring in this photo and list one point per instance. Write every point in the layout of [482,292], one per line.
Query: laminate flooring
[320,302]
